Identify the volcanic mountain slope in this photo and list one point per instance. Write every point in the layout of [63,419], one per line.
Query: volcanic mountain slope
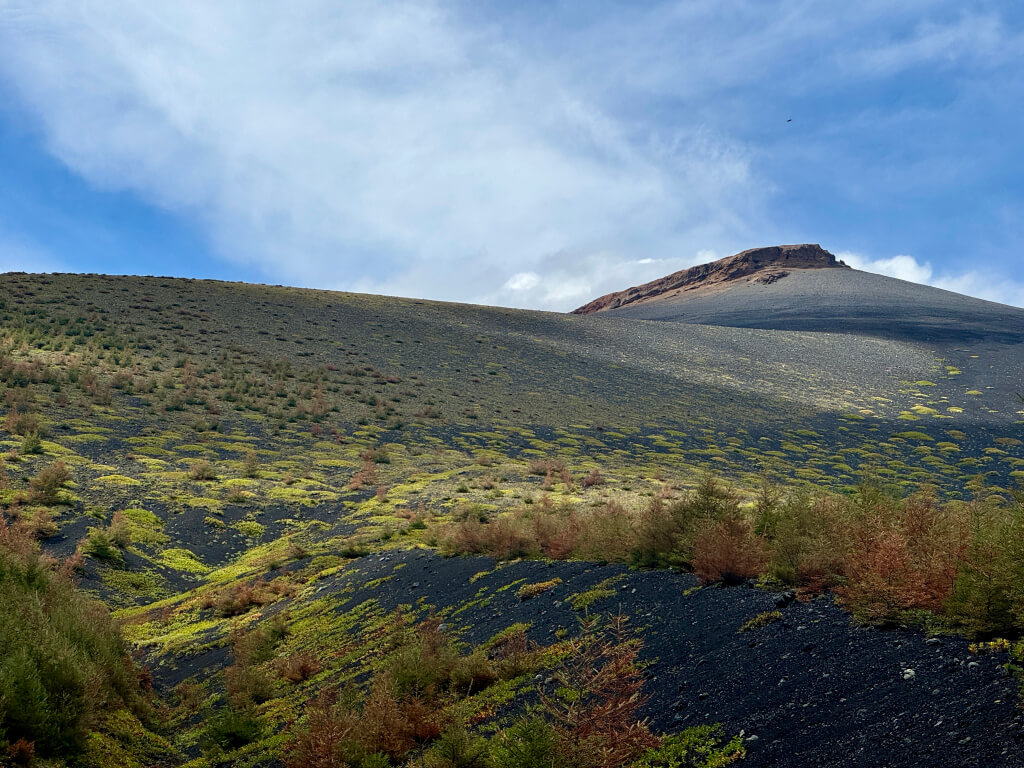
[606,387]
[805,288]
[234,456]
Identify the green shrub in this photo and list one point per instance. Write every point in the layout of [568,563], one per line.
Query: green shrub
[666,534]
[231,729]
[605,535]
[988,593]
[457,748]
[259,645]
[657,537]
[47,483]
[251,464]
[376,455]
[249,684]
[120,530]
[99,545]
[32,444]
[202,471]
[809,539]
[22,423]
[353,551]
[62,662]
[423,664]
[529,743]
[473,673]
[698,747]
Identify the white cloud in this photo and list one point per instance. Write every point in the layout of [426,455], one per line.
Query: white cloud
[568,280]
[377,146]
[522,281]
[901,267]
[438,149]
[983,285]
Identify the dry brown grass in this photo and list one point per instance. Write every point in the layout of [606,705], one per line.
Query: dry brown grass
[729,551]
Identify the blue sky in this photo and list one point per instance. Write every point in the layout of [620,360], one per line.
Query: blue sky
[526,154]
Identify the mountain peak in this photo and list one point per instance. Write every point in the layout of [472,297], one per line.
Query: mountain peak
[759,265]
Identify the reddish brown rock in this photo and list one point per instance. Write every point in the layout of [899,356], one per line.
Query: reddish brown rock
[761,265]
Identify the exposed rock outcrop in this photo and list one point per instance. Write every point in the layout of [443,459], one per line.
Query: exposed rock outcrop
[761,265]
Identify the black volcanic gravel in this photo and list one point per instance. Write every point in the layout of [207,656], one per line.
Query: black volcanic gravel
[843,301]
[813,689]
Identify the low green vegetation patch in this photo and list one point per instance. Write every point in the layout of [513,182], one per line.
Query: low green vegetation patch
[761,620]
[581,601]
[528,591]
[913,435]
[251,528]
[137,586]
[183,560]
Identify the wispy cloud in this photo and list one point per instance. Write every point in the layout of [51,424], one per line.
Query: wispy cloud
[985,284]
[569,280]
[981,39]
[902,267]
[379,146]
[486,153]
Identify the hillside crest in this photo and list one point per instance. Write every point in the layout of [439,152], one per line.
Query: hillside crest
[761,265]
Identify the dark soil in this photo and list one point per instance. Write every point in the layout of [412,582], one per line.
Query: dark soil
[814,689]
[844,301]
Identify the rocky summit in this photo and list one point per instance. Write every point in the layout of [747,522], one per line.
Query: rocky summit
[758,265]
